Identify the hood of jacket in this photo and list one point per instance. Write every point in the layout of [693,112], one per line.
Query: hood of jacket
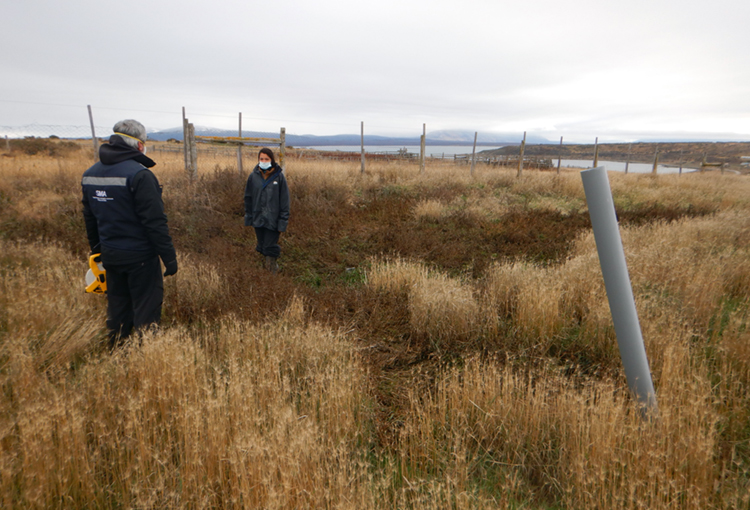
[117,151]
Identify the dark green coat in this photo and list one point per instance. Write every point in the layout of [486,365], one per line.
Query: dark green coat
[267,200]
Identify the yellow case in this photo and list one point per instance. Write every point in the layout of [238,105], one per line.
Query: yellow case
[99,285]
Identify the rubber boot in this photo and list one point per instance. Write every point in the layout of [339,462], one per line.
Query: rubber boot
[271,265]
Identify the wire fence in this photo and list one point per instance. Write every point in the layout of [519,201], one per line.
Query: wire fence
[49,130]
[34,139]
[207,155]
[210,155]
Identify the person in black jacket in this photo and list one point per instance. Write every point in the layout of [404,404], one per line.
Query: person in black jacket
[267,206]
[126,223]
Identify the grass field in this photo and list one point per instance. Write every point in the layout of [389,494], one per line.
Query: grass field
[432,341]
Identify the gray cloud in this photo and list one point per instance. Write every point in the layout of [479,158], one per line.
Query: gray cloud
[578,69]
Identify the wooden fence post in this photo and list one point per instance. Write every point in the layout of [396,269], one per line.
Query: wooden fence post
[422,144]
[239,149]
[193,159]
[656,160]
[7,143]
[282,148]
[596,152]
[520,156]
[185,141]
[559,156]
[362,144]
[627,162]
[474,153]
[93,135]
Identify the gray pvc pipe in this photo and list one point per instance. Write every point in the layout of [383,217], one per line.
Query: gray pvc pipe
[617,283]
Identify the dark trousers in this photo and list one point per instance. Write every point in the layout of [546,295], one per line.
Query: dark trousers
[268,242]
[134,297]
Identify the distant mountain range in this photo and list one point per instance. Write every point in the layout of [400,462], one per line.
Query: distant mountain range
[452,137]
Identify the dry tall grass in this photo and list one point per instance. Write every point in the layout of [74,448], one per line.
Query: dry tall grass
[231,415]
[535,434]
[441,308]
[516,399]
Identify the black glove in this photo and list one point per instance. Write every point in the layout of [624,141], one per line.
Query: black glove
[171,267]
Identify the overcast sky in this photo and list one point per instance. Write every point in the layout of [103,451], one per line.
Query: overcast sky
[620,71]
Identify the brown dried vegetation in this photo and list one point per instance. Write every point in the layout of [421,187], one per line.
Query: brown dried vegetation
[432,341]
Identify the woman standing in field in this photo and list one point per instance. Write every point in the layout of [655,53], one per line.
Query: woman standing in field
[267,206]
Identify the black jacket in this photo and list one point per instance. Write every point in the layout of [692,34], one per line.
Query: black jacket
[267,200]
[123,208]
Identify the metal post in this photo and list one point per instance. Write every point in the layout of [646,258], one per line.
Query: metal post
[559,156]
[93,135]
[617,283]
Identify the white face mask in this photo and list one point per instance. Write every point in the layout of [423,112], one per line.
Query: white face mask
[264,165]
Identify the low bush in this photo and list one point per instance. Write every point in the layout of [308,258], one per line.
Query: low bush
[43,146]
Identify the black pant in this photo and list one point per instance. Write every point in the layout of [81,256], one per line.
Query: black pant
[134,297]
[268,242]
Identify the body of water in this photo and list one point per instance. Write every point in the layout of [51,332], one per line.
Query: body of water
[435,151]
[448,151]
[619,166]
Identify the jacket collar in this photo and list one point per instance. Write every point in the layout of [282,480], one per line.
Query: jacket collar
[267,174]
